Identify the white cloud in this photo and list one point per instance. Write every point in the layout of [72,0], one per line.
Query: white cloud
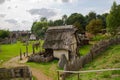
[2,1]
[44,12]
[21,13]
[11,21]
[2,15]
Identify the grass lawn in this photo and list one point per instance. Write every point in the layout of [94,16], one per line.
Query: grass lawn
[109,59]
[11,50]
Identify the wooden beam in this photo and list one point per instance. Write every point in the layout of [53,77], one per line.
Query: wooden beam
[87,71]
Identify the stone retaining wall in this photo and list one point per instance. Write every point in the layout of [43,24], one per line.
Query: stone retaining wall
[22,72]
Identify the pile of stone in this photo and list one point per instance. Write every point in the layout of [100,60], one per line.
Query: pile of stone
[40,58]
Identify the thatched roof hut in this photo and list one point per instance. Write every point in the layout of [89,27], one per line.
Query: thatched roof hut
[61,40]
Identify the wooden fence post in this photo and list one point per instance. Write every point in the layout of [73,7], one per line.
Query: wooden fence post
[58,75]
[26,50]
[78,77]
[20,54]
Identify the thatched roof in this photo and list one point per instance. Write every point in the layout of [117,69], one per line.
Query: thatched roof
[59,37]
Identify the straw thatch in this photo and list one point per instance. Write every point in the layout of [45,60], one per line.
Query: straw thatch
[60,37]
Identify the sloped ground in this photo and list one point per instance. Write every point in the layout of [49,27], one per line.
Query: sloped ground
[109,59]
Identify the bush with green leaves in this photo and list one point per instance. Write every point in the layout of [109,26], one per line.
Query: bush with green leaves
[94,26]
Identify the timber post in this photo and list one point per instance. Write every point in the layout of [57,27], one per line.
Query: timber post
[58,75]
[20,54]
[78,77]
[26,50]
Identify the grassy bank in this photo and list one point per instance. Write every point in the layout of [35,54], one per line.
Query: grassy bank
[109,59]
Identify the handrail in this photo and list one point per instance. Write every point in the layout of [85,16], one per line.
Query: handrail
[86,71]
[100,70]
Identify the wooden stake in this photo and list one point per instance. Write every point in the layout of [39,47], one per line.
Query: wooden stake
[27,50]
[58,75]
[20,54]
[78,77]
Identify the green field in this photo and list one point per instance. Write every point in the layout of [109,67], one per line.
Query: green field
[9,51]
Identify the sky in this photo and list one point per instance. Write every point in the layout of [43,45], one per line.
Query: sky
[20,14]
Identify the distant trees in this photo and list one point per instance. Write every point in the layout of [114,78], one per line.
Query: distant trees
[113,19]
[94,26]
[64,18]
[91,15]
[39,28]
[4,33]
[92,22]
[78,20]
[58,22]
[43,19]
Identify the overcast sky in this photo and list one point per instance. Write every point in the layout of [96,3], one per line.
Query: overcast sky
[20,14]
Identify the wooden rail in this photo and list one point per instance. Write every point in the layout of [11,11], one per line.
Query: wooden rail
[86,71]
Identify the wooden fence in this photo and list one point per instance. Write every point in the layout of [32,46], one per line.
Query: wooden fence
[86,71]
[78,62]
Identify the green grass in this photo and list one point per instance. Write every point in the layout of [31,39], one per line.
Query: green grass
[33,78]
[85,49]
[48,69]
[100,37]
[109,59]
[11,50]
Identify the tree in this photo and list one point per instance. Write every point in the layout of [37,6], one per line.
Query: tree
[113,19]
[92,15]
[64,18]
[50,23]
[78,26]
[94,26]
[103,18]
[4,33]
[43,19]
[39,28]
[32,28]
[76,18]
[58,22]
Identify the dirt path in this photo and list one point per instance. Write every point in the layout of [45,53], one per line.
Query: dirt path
[14,62]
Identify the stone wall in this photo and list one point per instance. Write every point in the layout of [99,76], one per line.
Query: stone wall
[22,72]
[40,58]
[96,50]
